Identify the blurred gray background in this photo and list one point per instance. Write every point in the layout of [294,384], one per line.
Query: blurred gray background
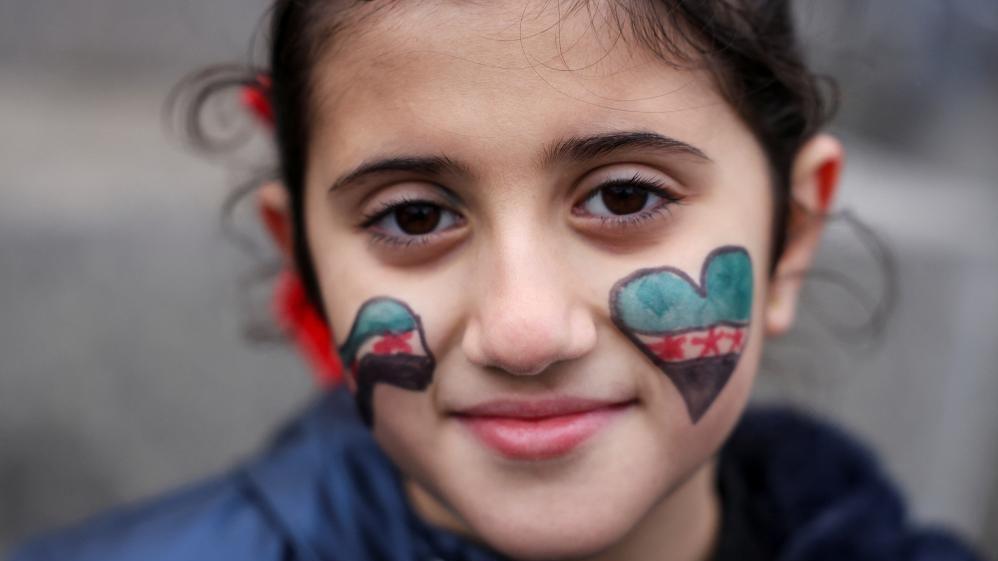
[123,366]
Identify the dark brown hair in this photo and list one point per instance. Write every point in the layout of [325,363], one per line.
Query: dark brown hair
[749,46]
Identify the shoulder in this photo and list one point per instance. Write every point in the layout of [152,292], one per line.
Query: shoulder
[263,509]
[297,500]
[815,493]
[212,520]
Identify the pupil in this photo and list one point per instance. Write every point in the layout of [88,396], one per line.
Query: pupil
[624,199]
[418,219]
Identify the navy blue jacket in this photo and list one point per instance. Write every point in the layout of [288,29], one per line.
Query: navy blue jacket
[793,489]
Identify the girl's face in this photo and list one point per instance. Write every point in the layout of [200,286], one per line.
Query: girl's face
[544,255]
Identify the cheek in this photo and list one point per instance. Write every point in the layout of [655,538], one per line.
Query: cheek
[693,329]
[408,430]
[386,345]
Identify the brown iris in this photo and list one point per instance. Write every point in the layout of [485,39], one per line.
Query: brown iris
[624,199]
[418,219]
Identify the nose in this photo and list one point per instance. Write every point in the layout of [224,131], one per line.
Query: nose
[527,312]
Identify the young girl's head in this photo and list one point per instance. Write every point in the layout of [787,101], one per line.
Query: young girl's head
[551,239]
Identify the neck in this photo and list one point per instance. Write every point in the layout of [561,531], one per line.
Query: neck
[682,526]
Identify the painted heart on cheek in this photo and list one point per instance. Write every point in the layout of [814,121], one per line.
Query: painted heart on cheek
[693,332]
[386,345]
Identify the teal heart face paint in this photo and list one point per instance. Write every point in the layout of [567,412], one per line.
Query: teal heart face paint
[386,345]
[693,332]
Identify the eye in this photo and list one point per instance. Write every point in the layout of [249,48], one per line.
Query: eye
[410,221]
[627,199]
[620,200]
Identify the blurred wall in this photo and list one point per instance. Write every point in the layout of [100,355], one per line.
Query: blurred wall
[124,370]
[134,32]
[920,76]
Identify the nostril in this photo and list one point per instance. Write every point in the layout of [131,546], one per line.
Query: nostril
[525,348]
[525,369]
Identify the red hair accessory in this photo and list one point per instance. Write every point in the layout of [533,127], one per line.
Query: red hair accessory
[828,178]
[294,313]
[307,328]
[256,98]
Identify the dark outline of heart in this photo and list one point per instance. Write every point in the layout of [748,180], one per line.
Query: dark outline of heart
[396,363]
[696,411]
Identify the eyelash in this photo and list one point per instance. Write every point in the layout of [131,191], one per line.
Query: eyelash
[649,185]
[385,209]
[400,242]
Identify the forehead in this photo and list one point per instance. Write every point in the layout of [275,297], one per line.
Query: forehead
[502,78]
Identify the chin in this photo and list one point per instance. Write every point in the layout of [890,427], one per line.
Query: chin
[573,506]
[573,532]
[570,512]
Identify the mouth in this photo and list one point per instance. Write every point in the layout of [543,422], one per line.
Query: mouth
[539,429]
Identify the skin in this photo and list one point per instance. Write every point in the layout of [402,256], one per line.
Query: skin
[693,330]
[514,296]
[386,345]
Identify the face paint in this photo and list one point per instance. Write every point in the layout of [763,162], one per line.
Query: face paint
[386,345]
[694,333]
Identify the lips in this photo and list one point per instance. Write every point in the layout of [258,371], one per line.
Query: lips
[539,430]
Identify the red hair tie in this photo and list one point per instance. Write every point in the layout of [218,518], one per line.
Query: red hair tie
[308,330]
[256,98]
[292,308]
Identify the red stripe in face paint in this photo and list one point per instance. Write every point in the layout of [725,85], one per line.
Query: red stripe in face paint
[392,343]
[715,341]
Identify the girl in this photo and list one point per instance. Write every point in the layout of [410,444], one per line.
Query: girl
[549,241]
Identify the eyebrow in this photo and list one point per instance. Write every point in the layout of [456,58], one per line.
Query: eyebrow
[578,148]
[594,146]
[427,165]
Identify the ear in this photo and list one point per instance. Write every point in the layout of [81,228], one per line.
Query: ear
[814,181]
[272,204]
[293,310]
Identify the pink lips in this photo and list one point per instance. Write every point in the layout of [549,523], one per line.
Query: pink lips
[539,430]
